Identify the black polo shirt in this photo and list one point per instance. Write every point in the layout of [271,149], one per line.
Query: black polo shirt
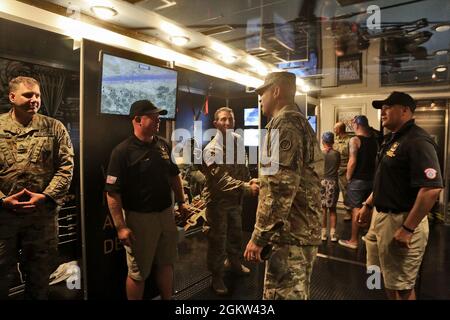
[406,162]
[140,172]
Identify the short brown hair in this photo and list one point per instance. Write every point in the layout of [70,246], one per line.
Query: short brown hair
[223,109]
[15,83]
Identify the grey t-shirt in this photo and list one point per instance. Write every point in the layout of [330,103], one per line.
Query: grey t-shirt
[332,161]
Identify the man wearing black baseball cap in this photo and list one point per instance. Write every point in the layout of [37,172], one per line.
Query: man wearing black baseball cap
[406,186]
[396,98]
[140,179]
[145,107]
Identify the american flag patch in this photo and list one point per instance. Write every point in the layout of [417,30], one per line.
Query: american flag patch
[111,179]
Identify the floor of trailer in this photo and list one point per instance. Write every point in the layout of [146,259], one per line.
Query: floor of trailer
[339,273]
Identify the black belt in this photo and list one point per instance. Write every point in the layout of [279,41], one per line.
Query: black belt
[387,210]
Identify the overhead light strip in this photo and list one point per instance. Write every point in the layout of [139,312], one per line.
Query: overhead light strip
[40,18]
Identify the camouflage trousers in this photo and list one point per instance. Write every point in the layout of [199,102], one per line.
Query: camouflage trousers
[35,234]
[343,185]
[224,234]
[288,272]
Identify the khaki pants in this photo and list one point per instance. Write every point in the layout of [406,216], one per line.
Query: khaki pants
[399,266]
[156,241]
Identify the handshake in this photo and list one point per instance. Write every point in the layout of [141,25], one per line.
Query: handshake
[254,187]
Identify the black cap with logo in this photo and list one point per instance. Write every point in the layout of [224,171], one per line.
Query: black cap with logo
[394,98]
[143,107]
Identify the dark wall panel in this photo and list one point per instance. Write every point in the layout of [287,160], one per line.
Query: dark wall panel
[106,267]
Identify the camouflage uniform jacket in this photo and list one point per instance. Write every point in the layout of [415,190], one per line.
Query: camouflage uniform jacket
[225,181]
[38,157]
[341,145]
[289,199]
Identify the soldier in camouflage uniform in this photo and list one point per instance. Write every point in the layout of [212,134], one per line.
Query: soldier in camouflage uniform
[289,208]
[226,184]
[341,145]
[36,166]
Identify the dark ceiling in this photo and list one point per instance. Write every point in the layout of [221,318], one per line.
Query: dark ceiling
[289,30]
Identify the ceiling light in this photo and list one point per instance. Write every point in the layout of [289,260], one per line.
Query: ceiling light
[440,69]
[442,27]
[220,48]
[441,52]
[257,66]
[433,76]
[179,40]
[171,29]
[228,58]
[103,12]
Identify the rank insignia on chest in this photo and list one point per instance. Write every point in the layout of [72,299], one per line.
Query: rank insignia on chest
[391,151]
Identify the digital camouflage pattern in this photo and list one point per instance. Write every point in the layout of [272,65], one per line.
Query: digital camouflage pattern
[38,157]
[224,180]
[289,270]
[226,184]
[289,208]
[341,145]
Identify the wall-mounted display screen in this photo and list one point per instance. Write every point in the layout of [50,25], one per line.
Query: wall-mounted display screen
[251,117]
[251,137]
[313,122]
[125,81]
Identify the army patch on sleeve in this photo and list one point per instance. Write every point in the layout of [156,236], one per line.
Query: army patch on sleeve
[430,173]
[285,144]
[111,179]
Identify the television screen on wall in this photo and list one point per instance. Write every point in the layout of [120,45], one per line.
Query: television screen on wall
[251,117]
[313,122]
[125,81]
[251,137]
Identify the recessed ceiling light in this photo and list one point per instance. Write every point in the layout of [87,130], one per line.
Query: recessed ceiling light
[179,40]
[441,52]
[440,69]
[228,59]
[103,12]
[442,27]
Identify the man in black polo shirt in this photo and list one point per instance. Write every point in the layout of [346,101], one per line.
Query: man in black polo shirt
[141,177]
[406,186]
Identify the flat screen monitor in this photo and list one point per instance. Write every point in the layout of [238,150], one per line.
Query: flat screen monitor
[251,137]
[251,117]
[125,81]
[313,122]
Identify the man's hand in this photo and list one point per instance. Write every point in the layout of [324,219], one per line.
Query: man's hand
[183,210]
[363,216]
[14,203]
[402,238]
[254,189]
[253,252]
[37,199]
[126,236]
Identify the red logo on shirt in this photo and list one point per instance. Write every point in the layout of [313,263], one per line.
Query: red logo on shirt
[430,173]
